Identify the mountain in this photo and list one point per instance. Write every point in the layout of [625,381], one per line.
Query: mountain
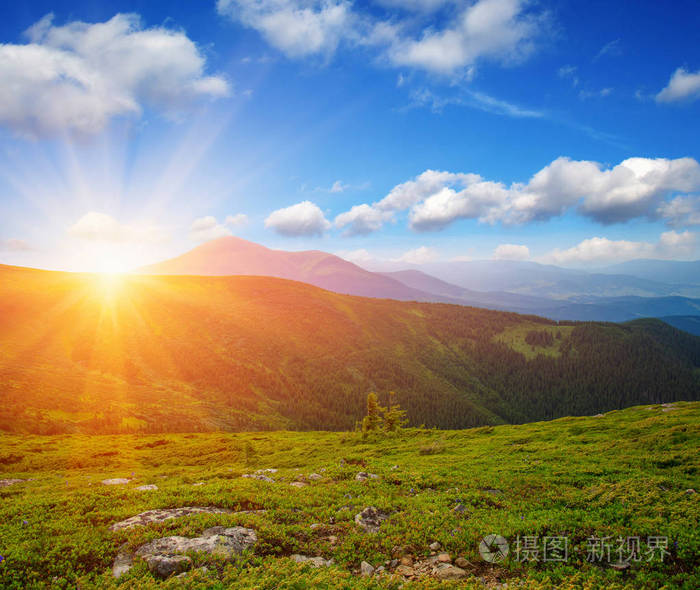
[668,271]
[235,256]
[540,280]
[687,323]
[85,353]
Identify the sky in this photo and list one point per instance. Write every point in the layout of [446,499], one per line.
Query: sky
[416,130]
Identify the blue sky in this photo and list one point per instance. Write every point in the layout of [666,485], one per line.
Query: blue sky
[562,132]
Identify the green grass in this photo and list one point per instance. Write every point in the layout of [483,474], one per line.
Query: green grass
[514,337]
[623,474]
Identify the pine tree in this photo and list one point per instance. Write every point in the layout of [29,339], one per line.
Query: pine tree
[394,415]
[371,421]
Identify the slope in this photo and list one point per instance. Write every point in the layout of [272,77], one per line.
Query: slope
[140,353]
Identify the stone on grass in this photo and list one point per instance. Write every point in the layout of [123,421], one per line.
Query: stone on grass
[162,514]
[315,477]
[298,484]
[405,570]
[435,546]
[313,561]
[371,519]
[147,488]
[364,476]
[447,571]
[444,558]
[366,569]
[5,483]
[164,566]
[116,481]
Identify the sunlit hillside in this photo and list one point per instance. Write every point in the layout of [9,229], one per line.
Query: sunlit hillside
[111,353]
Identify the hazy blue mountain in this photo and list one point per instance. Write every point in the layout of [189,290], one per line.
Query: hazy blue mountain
[667,271]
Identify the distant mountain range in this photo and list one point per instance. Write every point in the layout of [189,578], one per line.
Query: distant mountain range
[524,287]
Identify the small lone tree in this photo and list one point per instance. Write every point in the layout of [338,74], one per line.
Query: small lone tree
[370,423]
[394,415]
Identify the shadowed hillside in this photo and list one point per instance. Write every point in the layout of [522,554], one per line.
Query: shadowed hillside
[98,354]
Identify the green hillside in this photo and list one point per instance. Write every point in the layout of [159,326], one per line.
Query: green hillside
[627,474]
[84,353]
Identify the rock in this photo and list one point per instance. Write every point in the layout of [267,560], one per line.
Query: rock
[460,508]
[444,558]
[268,470]
[332,539]
[380,569]
[5,483]
[122,564]
[164,566]
[435,546]
[364,476]
[117,481]
[405,570]
[371,519]
[620,566]
[165,556]
[393,563]
[406,560]
[366,569]
[196,484]
[316,525]
[492,491]
[298,484]
[147,488]
[463,563]
[690,492]
[394,467]
[258,476]
[450,572]
[313,561]
[162,514]
[315,477]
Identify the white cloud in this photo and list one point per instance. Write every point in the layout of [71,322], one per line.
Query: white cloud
[682,85]
[419,255]
[78,76]
[302,219]
[502,30]
[339,187]
[637,187]
[238,220]
[362,219]
[100,227]
[496,29]
[511,252]
[204,229]
[15,245]
[670,245]
[681,211]
[356,256]
[298,28]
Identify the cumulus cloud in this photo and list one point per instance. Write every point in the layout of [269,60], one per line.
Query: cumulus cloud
[637,187]
[298,28]
[204,229]
[100,227]
[419,255]
[502,30]
[76,77]
[682,85]
[511,252]
[496,29]
[681,211]
[359,256]
[302,219]
[670,245]
[362,220]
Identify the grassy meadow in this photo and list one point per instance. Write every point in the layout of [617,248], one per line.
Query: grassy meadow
[628,473]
